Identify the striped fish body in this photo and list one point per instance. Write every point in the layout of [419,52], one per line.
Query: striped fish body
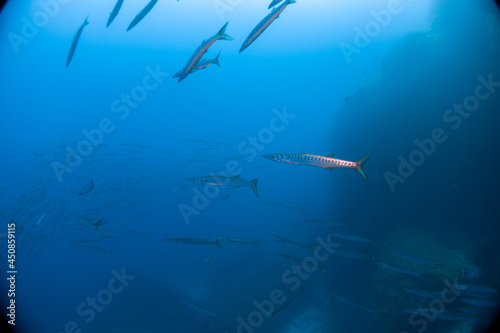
[327,162]
[423,293]
[476,288]
[280,239]
[200,51]
[241,241]
[353,238]
[264,24]
[218,180]
[348,254]
[415,259]
[483,303]
[199,241]
[398,269]
[204,63]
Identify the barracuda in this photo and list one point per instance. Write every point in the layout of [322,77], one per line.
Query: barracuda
[226,181]
[75,41]
[264,24]
[328,162]
[200,51]
[114,12]
[199,241]
[142,14]
[203,63]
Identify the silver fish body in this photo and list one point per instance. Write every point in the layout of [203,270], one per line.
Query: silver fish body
[142,14]
[218,180]
[75,42]
[200,51]
[327,162]
[199,241]
[264,24]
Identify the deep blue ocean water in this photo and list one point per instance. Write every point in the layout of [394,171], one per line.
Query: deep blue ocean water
[96,158]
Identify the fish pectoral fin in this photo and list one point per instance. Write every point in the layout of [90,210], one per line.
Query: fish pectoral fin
[238,176]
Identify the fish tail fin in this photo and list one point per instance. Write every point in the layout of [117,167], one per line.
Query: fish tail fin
[300,208]
[218,242]
[257,242]
[86,20]
[292,1]
[322,268]
[216,60]
[254,186]
[372,242]
[222,33]
[360,164]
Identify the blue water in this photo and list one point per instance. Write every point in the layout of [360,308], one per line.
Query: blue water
[342,77]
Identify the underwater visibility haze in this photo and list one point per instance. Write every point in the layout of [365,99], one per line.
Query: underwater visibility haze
[246,166]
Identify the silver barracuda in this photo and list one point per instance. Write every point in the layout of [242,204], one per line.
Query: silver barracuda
[266,22]
[284,204]
[449,316]
[415,259]
[280,239]
[482,303]
[114,12]
[476,288]
[75,42]
[327,222]
[200,51]
[204,63]
[142,14]
[347,254]
[225,181]
[328,162]
[241,241]
[353,238]
[423,293]
[199,241]
[398,269]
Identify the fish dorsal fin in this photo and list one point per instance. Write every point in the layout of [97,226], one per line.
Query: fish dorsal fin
[238,176]
[331,155]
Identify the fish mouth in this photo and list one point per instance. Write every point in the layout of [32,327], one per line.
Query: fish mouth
[268,156]
[190,180]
